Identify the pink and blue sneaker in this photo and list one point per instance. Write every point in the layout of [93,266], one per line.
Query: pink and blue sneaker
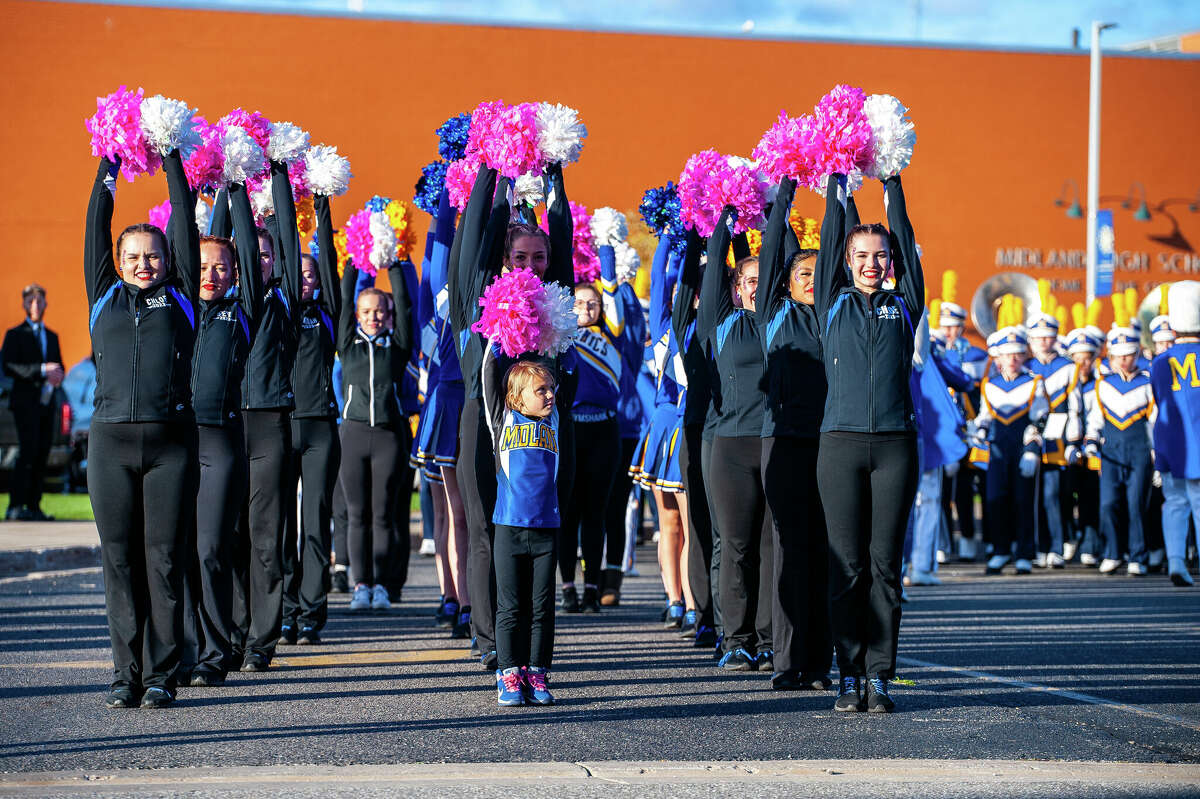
[510,685]
[537,686]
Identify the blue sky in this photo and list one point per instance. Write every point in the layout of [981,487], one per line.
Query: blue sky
[1005,23]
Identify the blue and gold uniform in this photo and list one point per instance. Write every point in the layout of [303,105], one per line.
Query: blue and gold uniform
[1055,372]
[1175,382]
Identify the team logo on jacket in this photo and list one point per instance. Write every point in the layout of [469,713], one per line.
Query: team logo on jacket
[157,302]
[888,312]
[225,315]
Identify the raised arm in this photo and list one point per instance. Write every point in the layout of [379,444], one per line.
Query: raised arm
[910,280]
[439,256]
[614,311]
[490,259]
[221,224]
[715,300]
[491,378]
[331,297]
[772,268]
[402,312]
[468,239]
[830,274]
[561,268]
[347,319]
[689,288]
[99,272]
[185,241]
[250,285]
[289,236]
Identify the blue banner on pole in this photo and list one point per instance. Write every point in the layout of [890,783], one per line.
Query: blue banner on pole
[1105,246]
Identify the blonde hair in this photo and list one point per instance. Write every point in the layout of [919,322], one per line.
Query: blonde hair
[518,377]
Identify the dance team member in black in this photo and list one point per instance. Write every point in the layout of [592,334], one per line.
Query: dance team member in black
[142,442]
[867,465]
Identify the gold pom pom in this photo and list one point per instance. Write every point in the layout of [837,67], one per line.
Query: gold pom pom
[950,286]
[1078,314]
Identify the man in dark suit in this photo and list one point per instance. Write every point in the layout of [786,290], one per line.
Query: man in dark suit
[32,359]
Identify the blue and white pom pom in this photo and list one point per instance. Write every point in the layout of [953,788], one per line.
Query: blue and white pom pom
[327,173]
[893,137]
[244,159]
[560,133]
[288,143]
[169,125]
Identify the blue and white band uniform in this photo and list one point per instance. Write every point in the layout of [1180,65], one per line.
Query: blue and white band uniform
[1012,409]
[1056,378]
[1121,419]
[1175,380]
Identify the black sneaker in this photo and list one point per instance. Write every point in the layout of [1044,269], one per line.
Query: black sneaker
[591,601]
[675,614]
[288,634]
[203,678]
[308,636]
[816,682]
[340,584]
[706,637]
[570,600]
[462,626]
[688,629]
[254,662]
[878,700]
[788,681]
[447,614]
[489,661]
[120,696]
[737,660]
[850,696]
[764,660]
[156,698]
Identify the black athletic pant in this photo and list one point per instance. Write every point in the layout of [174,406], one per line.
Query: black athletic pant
[618,499]
[868,483]
[314,459]
[208,618]
[587,504]
[477,482]
[341,549]
[258,565]
[700,554]
[958,492]
[35,430]
[714,581]
[143,479]
[370,468]
[396,574]
[525,596]
[801,626]
[746,562]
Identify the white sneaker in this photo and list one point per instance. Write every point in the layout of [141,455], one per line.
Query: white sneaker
[379,598]
[919,577]
[1087,559]
[1040,560]
[941,557]
[428,549]
[1108,566]
[1055,560]
[1024,566]
[1156,558]
[1136,570]
[1069,548]
[362,597]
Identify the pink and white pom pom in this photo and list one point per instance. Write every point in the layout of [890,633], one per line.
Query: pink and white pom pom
[710,182]
[842,137]
[785,150]
[262,202]
[893,137]
[244,159]
[160,214]
[584,258]
[383,241]
[206,166]
[359,240]
[460,179]
[505,138]
[254,123]
[117,133]
[327,173]
[558,326]
[169,125]
[510,315]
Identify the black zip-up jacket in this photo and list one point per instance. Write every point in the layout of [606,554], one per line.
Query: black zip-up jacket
[734,340]
[268,381]
[477,256]
[868,338]
[227,326]
[795,373]
[312,377]
[142,340]
[373,368]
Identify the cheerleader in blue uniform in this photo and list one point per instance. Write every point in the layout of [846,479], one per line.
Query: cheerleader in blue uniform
[601,318]
[658,468]
[436,445]
[1014,407]
[1119,432]
[1056,372]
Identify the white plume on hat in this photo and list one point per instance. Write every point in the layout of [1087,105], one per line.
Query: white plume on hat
[1183,303]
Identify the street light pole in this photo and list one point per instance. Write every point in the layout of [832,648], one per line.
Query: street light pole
[1093,185]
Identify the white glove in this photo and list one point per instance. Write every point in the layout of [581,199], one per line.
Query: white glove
[1029,464]
[950,469]
[1091,450]
[976,436]
[1157,479]
[1073,455]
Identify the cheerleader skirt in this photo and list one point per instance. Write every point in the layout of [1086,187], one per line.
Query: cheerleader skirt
[436,441]
[656,460]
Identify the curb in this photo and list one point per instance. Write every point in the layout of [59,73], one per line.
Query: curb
[24,561]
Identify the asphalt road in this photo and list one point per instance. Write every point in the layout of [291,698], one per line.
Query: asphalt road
[1068,666]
